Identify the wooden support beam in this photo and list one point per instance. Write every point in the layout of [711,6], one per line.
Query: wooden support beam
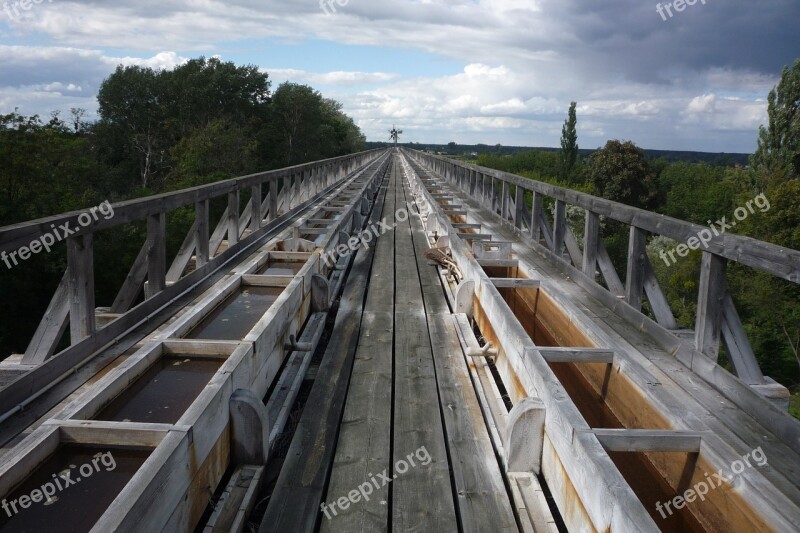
[515,283]
[536,217]
[201,214]
[608,271]
[273,199]
[591,236]
[492,262]
[577,355]
[738,346]
[475,236]
[637,254]
[233,218]
[504,200]
[157,254]
[559,227]
[467,226]
[80,276]
[185,253]
[710,301]
[519,207]
[255,207]
[51,328]
[133,282]
[649,440]
[658,301]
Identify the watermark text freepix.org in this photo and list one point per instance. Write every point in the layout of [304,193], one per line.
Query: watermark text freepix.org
[47,493]
[13,8]
[368,235]
[57,234]
[678,5]
[328,7]
[704,236]
[713,481]
[364,490]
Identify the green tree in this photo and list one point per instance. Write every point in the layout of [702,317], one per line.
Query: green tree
[569,145]
[620,172]
[777,155]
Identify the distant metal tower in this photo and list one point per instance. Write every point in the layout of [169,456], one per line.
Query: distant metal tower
[394,134]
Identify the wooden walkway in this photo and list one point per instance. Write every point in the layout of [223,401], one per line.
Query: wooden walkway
[373,390]
[396,439]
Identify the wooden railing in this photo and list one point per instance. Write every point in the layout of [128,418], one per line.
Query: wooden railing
[717,319]
[273,195]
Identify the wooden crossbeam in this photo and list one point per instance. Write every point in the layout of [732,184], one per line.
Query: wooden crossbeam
[577,355]
[516,283]
[648,440]
[506,263]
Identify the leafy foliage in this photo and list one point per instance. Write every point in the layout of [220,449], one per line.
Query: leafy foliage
[569,145]
[620,172]
[159,130]
[777,156]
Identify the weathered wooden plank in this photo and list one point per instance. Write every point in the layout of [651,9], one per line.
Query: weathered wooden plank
[591,237]
[422,498]
[710,299]
[184,253]
[519,208]
[364,445]
[255,207]
[738,346]
[516,283]
[649,440]
[51,328]
[559,227]
[80,284]
[536,217]
[157,254]
[282,400]
[577,355]
[295,502]
[637,254]
[233,218]
[658,302]
[482,503]
[608,271]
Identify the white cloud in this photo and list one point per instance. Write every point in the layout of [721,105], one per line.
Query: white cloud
[632,74]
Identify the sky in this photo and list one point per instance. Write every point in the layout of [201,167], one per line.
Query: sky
[667,75]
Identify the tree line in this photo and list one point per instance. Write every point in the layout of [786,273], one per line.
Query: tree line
[157,131]
[701,193]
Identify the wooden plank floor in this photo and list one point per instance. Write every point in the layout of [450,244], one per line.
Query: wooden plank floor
[411,436]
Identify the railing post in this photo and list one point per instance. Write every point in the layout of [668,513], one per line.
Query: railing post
[80,276]
[536,217]
[255,207]
[273,198]
[710,304]
[559,227]
[519,201]
[157,255]
[472,176]
[201,213]
[591,236]
[233,217]
[504,200]
[637,255]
